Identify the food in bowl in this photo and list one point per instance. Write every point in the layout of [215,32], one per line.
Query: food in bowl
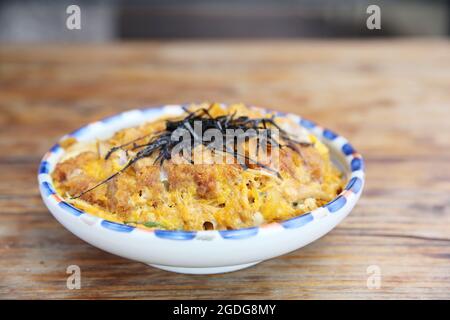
[195,251]
[141,177]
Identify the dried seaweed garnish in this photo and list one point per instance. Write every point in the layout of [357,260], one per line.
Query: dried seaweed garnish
[162,144]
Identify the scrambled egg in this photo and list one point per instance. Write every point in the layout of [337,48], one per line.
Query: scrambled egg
[196,197]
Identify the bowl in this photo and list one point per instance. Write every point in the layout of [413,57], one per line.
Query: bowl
[209,251]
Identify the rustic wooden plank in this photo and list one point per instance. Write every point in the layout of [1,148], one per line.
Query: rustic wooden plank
[390,98]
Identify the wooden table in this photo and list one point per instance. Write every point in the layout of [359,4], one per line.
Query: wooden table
[390,98]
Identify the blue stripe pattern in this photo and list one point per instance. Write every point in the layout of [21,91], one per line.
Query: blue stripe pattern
[239,233]
[44,167]
[280,114]
[76,133]
[307,124]
[357,164]
[328,134]
[175,235]
[71,209]
[111,118]
[347,149]
[55,148]
[336,204]
[48,190]
[116,226]
[298,222]
[354,185]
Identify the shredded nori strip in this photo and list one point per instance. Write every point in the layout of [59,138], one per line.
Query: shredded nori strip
[161,143]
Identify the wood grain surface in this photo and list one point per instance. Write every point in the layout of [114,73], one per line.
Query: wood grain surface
[390,98]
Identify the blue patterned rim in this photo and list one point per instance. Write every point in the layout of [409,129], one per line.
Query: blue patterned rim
[353,188]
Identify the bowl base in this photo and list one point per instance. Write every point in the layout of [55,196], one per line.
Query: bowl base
[207,270]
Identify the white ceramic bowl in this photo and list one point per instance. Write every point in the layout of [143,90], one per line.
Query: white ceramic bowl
[202,252]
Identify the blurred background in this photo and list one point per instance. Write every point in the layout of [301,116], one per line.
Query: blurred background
[25,21]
